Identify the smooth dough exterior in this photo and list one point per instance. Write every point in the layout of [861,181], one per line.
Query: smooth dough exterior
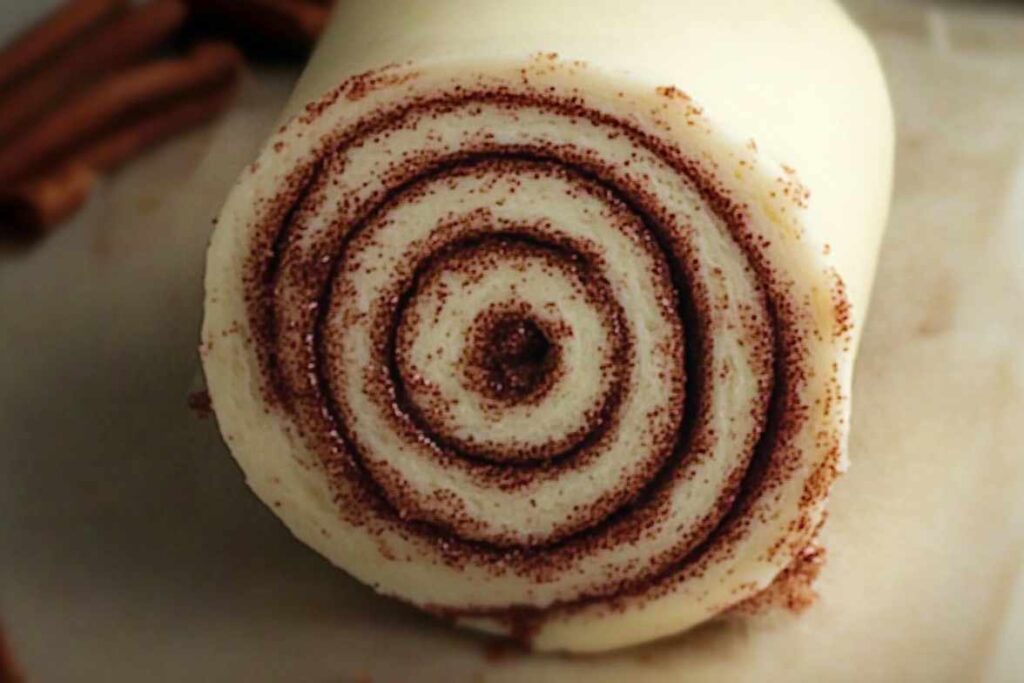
[541,316]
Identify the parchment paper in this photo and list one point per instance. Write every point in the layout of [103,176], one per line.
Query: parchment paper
[130,549]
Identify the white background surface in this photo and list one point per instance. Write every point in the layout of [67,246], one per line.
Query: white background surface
[130,549]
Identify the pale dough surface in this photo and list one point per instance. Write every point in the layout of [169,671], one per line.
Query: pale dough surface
[768,98]
[133,551]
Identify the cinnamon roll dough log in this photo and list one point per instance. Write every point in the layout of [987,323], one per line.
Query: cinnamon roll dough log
[542,318]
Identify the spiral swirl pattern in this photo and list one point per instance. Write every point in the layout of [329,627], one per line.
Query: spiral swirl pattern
[530,356]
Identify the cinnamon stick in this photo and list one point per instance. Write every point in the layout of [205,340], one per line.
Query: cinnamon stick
[164,99]
[41,42]
[113,100]
[9,671]
[128,142]
[129,37]
[266,26]
[34,206]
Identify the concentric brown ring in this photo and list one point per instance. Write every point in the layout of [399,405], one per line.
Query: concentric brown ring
[298,342]
[500,381]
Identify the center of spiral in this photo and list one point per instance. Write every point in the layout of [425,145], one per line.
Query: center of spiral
[511,356]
